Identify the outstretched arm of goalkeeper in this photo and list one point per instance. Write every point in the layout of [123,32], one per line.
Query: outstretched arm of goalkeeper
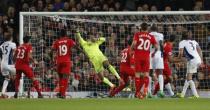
[79,38]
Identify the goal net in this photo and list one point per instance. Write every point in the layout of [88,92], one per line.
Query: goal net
[117,28]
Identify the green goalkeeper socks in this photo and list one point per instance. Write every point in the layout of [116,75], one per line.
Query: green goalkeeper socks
[113,71]
[106,81]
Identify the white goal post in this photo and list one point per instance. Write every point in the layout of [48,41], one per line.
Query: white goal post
[46,24]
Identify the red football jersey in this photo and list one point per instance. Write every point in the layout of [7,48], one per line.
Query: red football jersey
[22,53]
[126,58]
[167,52]
[63,49]
[144,41]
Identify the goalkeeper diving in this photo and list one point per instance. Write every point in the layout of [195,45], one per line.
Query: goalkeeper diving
[97,58]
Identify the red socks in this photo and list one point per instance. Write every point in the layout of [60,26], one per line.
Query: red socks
[17,82]
[139,82]
[63,83]
[146,84]
[118,89]
[36,86]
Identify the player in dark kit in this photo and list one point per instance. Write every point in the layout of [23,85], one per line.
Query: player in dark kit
[62,53]
[23,56]
[126,68]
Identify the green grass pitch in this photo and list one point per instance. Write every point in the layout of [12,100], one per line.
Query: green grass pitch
[105,104]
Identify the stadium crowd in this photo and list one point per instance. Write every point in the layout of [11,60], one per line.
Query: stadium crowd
[117,35]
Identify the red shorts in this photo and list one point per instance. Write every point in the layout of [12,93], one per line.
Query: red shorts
[26,69]
[126,70]
[167,70]
[142,65]
[64,68]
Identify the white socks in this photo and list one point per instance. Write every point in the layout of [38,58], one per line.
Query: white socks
[193,88]
[161,81]
[168,87]
[21,85]
[150,85]
[186,84]
[5,84]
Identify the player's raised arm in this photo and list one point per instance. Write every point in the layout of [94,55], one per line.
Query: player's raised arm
[101,39]
[79,38]
[133,45]
[181,50]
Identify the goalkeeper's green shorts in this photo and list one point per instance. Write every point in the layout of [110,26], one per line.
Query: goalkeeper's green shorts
[98,63]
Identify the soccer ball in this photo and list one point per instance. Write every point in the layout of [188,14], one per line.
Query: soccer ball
[56,18]
[127,89]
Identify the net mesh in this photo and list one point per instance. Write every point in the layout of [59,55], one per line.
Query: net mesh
[117,29]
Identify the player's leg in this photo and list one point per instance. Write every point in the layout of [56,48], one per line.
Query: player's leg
[146,83]
[139,78]
[64,73]
[191,69]
[192,85]
[121,86]
[5,83]
[17,83]
[150,78]
[160,79]
[145,71]
[150,87]
[21,85]
[168,81]
[159,66]
[105,80]
[63,83]
[98,66]
[108,66]
[29,73]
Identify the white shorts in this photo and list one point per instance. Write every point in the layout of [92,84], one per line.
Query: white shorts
[156,62]
[8,70]
[192,65]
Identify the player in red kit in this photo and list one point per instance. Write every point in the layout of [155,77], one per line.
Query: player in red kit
[126,68]
[168,58]
[141,47]
[23,56]
[62,49]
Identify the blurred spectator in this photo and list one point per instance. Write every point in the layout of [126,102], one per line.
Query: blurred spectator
[145,7]
[153,8]
[66,6]
[25,7]
[111,50]
[167,8]
[58,5]
[40,5]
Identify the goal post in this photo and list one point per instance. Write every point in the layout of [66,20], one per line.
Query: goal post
[117,28]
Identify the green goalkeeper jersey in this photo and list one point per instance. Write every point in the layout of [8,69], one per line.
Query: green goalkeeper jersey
[91,48]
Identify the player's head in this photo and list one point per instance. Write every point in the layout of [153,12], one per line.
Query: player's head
[92,38]
[187,35]
[62,32]
[7,35]
[171,38]
[144,26]
[153,28]
[26,39]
